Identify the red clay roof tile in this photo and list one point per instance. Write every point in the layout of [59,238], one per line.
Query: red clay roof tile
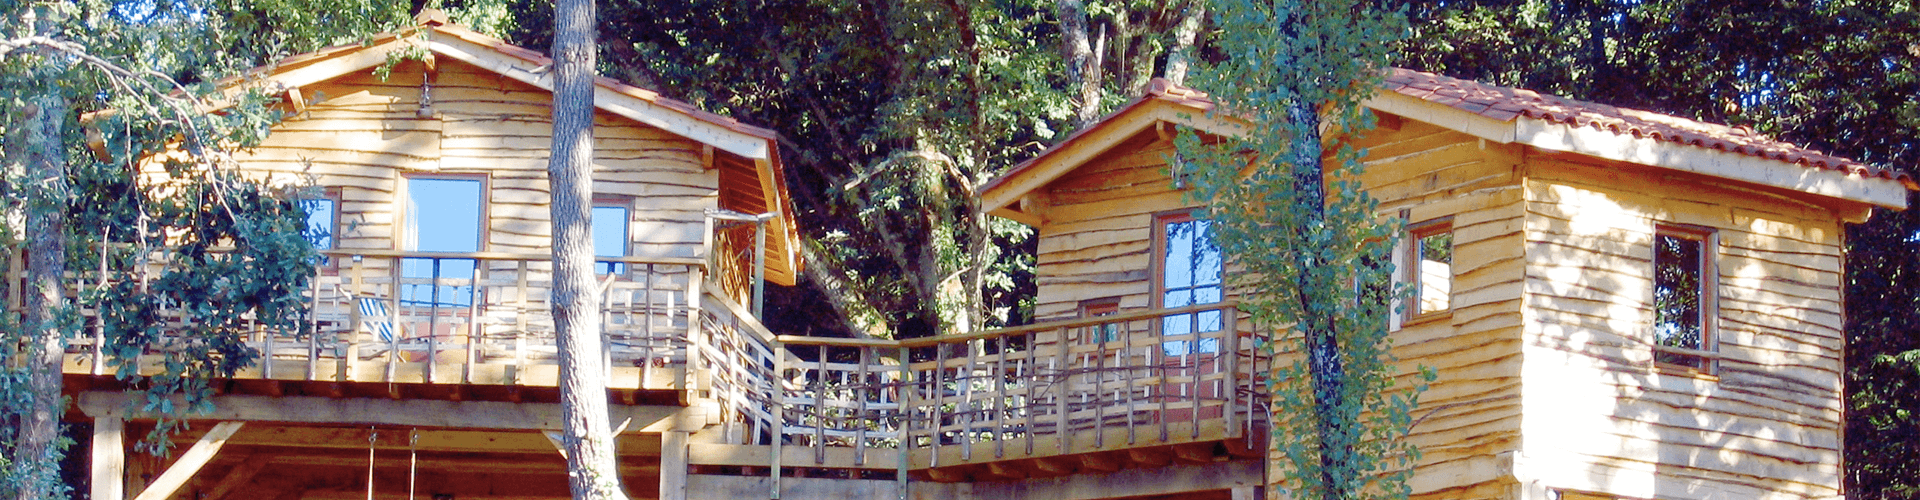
[1512,102]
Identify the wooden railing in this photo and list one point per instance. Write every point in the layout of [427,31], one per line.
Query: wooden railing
[481,318]
[1066,387]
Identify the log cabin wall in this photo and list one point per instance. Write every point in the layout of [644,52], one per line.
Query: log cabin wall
[1601,417]
[1469,419]
[1096,245]
[364,136]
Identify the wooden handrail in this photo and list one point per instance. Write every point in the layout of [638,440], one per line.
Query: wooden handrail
[740,312]
[1068,323]
[406,254]
[997,332]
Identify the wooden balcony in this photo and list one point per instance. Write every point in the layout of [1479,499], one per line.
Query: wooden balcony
[1138,380]
[470,318]
[1148,379]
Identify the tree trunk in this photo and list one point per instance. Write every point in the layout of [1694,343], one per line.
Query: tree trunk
[1324,366]
[591,469]
[36,458]
[1083,72]
[1184,34]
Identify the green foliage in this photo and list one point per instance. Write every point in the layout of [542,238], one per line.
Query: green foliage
[182,263]
[892,114]
[1305,237]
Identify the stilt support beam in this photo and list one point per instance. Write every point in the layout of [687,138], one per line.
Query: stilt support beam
[673,465]
[109,459]
[190,462]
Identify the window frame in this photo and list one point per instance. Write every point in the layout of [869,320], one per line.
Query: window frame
[485,209]
[1707,357]
[484,236]
[327,265]
[1157,267]
[1412,269]
[625,204]
[1094,308]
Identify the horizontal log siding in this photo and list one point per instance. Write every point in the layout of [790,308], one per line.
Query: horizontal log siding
[1469,419]
[1600,418]
[365,134]
[1096,241]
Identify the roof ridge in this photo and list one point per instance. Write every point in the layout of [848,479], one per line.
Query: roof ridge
[1509,103]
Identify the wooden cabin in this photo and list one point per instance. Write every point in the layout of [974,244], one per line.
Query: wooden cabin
[1619,304]
[1545,235]
[430,366]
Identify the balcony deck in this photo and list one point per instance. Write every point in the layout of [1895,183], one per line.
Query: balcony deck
[1138,380]
[471,318]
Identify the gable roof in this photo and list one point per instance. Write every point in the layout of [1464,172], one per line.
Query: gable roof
[753,149]
[1503,115]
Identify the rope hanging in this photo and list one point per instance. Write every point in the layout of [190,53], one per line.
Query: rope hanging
[374,435]
[413,460]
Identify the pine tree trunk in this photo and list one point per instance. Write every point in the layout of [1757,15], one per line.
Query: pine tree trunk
[591,469]
[46,252]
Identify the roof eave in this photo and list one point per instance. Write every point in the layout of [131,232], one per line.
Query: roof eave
[1828,183]
[998,196]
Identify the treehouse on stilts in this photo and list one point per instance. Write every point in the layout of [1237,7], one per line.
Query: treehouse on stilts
[1556,246]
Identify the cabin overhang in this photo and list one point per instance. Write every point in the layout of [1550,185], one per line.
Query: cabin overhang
[1851,193]
[1846,187]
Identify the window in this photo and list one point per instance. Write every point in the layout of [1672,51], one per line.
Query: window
[1683,297]
[443,214]
[323,222]
[1106,306]
[1430,267]
[609,229]
[1188,272]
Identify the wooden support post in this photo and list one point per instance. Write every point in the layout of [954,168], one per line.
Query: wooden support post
[1032,379]
[1098,371]
[109,458]
[690,378]
[938,393]
[520,325]
[1231,349]
[1060,389]
[862,379]
[779,423]
[313,321]
[673,465]
[999,402]
[1245,493]
[190,462]
[905,407]
[967,406]
[350,359]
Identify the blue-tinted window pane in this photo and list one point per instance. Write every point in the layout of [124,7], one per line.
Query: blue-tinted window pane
[609,237]
[320,216]
[1193,272]
[443,215]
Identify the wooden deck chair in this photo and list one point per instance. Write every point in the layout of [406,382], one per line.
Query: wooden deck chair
[375,318]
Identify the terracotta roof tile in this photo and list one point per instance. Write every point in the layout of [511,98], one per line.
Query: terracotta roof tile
[1509,103]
